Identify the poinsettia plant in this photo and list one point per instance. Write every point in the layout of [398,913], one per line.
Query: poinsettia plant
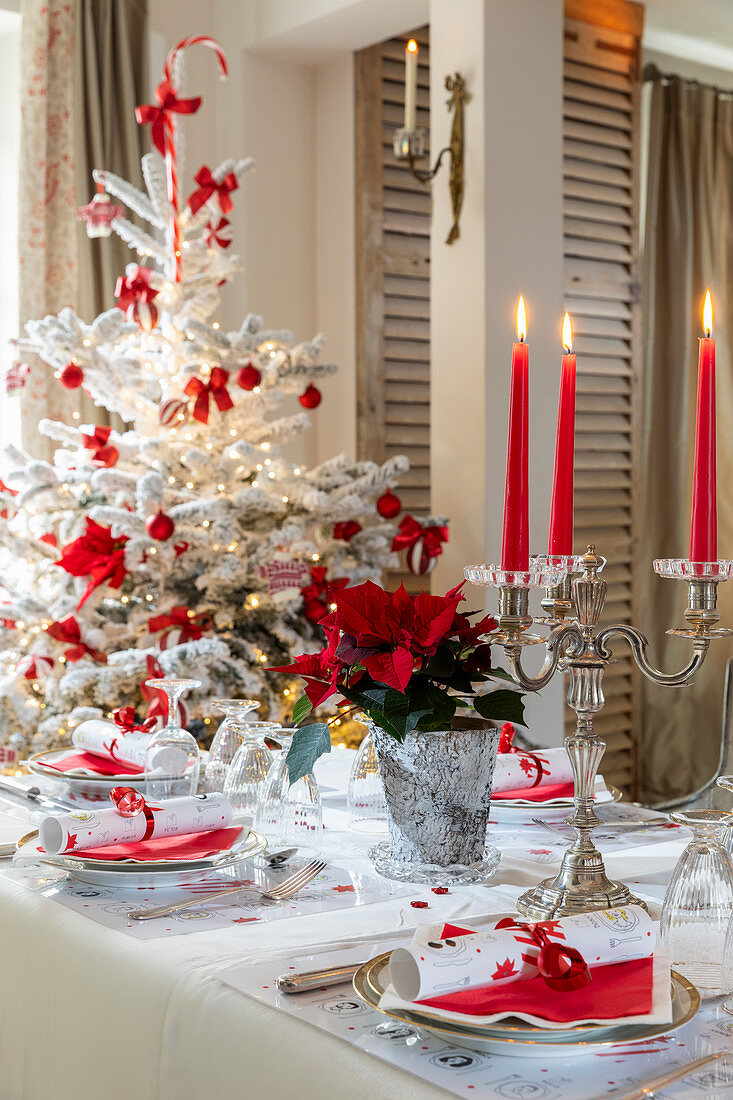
[409,662]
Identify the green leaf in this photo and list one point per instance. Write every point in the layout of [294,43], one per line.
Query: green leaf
[501,674]
[309,742]
[502,706]
[302,709]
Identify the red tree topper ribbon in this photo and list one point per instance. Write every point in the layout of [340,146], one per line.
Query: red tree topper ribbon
[411,531]
[134,288]
[130,803]
[216,387]
[208,187]
[346,529]
[561,966]
[221,234]
[95,554]
[192,626]
[166,103]
[124,717]
[34,666]
[531,761]
[68,630]
[104,454]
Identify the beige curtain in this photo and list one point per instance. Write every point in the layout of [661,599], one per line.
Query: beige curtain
[688,247]
[84,70]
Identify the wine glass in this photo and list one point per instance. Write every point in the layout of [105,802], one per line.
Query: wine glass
[172,757]
[250,765]
[365,804]
[226,741]
[290,816]
[698,904]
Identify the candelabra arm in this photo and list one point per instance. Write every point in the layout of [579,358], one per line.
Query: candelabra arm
[555,651]
[639,645]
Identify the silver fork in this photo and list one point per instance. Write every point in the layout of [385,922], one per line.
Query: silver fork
[646,824]
[281,892]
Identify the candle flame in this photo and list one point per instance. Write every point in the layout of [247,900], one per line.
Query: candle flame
[567,334]
[707,315]
[411,46]
[521,320]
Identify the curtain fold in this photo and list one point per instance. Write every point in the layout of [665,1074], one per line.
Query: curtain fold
[84,70]
[688,247]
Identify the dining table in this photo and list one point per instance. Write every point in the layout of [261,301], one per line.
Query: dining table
[90,1008]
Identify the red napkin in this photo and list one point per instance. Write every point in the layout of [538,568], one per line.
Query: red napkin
[620,989]
[537,794]
[184,846]
[97,764]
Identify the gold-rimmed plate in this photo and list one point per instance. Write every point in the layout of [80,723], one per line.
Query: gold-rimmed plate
[84,788]
[132,873]
[519,1037]
[513,807]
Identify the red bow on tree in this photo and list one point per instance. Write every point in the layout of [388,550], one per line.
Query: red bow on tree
[95,554]
[221,234]
[192,626]
[562,967]
[34,666]
[320,588]
[346,530]
[208,187]
[216,387]
[530,762]
[411,531]
[124,717]
[104,455]
[156,114]
[69,631]
[134,288]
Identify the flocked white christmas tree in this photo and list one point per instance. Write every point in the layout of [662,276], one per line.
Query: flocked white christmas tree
[188,544]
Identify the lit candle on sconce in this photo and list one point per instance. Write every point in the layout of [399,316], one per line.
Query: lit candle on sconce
[411,52]
[515,534]
[561,513]
[704,518]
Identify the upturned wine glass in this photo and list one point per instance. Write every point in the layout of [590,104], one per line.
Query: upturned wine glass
[365,804]
[250,766]
[172,759]
[698,904]
[290,816]
[226,741]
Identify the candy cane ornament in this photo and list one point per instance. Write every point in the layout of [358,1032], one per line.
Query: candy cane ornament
[169,139]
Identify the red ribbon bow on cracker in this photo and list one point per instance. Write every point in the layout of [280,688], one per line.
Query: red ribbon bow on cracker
[130,803]
[531,761]
[124,717]
[562,967]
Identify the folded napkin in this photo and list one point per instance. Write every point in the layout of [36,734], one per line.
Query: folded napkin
[187,846]
[551,794]
[518,772]
[133,820]
[91,765]
[596,967]
[125,747]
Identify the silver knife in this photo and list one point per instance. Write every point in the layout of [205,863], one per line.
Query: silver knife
[316,979]
[34,795]
[650,1088]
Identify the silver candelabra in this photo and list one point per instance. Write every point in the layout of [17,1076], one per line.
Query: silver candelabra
[575,595]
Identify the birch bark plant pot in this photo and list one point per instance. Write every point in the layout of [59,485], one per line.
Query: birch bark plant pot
[437,788]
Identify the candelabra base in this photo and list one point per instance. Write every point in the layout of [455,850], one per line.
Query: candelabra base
[576,889]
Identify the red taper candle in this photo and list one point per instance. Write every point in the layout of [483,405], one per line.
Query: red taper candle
[515,535]
[560,540]
[704,518]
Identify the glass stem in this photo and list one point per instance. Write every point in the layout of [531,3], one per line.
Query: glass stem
[174,694]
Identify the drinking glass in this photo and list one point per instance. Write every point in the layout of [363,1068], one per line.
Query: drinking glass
[290,816]
[250,766]
[698,905]
[226,741]
[172,757]
[367,810]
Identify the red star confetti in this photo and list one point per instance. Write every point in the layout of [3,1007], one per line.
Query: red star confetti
[440,889]
[343,889]
[419,904]
[245,920]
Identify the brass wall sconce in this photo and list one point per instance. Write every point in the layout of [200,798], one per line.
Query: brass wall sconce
[409,141]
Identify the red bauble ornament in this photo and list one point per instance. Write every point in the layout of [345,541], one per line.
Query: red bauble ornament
[160,527]
[314,610]
[417,561]
[311,397]
[145,313]
[249,377]
[71,376]
[389,505]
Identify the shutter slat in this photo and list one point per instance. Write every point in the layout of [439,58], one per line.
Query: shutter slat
[577,187]
[596,134]
[591,229]
[602,97]
[597,212]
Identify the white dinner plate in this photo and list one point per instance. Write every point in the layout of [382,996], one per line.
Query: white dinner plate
[134,874]
[515,808]
[79,788]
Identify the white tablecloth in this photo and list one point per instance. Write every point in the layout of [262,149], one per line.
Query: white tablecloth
[86,1010]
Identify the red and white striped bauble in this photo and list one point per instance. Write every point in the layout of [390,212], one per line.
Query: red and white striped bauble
[16,377]
[145,313]
[35,667]
[173,411]
[418,563]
